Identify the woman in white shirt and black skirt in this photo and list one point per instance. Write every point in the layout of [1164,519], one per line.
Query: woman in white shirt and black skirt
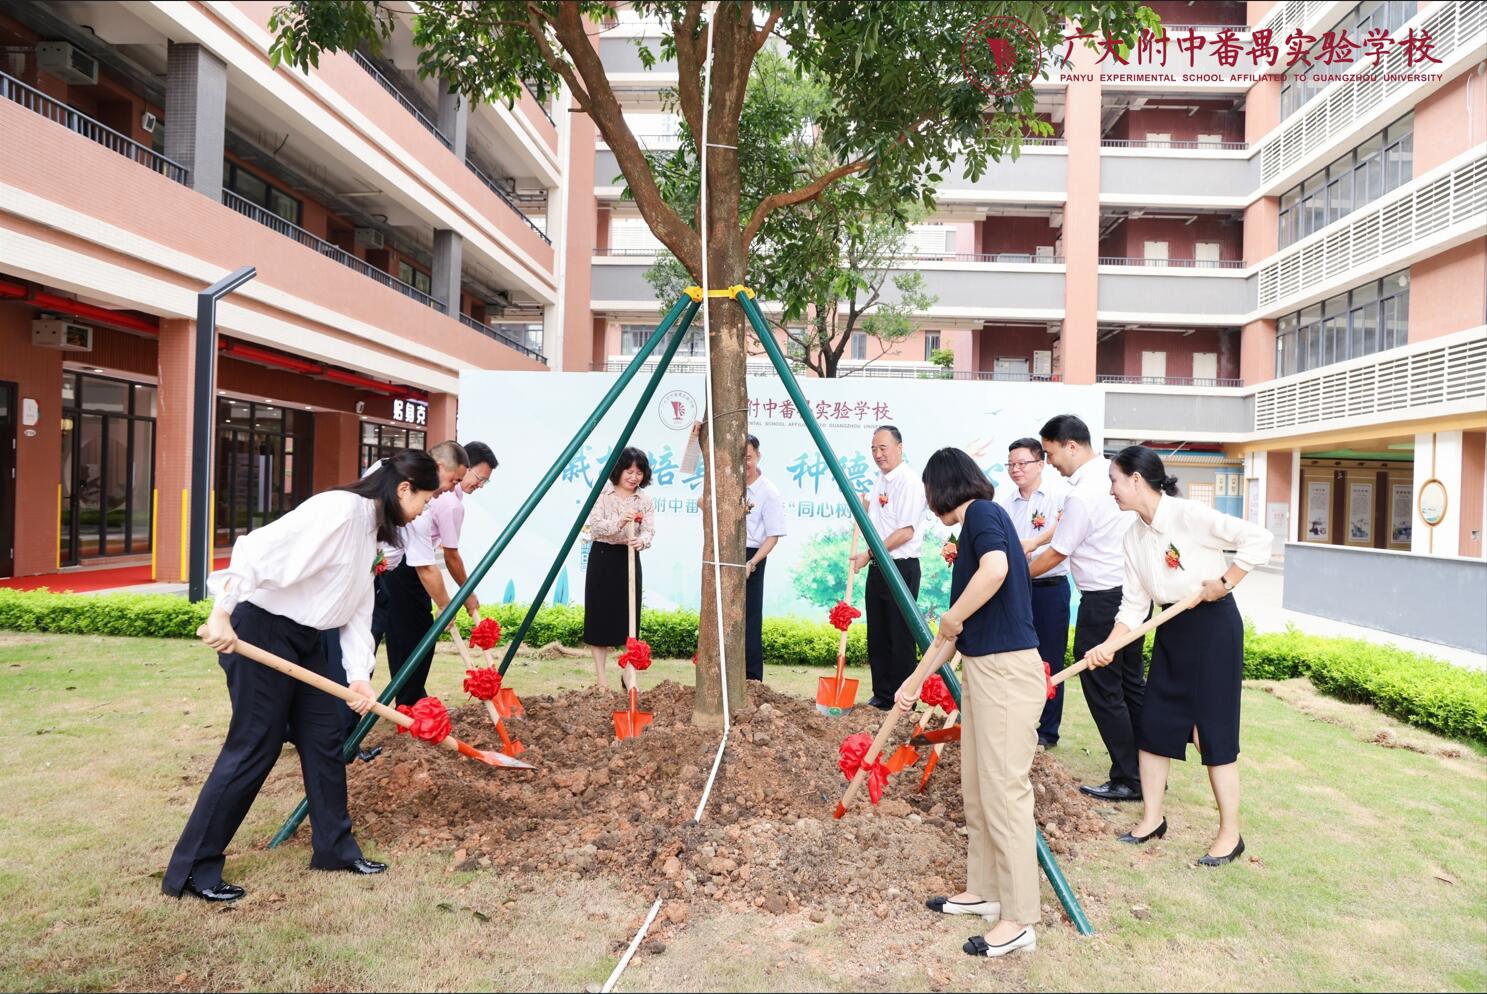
[606,613]
[1175,549]
[308,571]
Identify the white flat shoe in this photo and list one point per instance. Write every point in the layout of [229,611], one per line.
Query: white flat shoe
[945,906]
[977,945]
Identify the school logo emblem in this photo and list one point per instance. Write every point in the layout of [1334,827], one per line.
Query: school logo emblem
[1002,56]
[678,410]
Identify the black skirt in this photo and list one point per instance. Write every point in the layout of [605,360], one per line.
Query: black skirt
[606,619]
[1197,668]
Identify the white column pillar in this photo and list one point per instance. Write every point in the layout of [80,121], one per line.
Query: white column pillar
[1438,456]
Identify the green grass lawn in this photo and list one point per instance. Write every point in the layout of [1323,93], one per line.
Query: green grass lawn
[1368,866]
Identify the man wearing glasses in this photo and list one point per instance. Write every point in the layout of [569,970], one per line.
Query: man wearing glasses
[447,514]
[1034,508]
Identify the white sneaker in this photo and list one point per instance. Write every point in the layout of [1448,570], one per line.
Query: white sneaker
[986,909]
[977,945]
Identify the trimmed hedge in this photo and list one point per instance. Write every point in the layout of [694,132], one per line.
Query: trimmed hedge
[1416,689]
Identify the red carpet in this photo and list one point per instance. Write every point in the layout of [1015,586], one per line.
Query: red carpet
[83,580]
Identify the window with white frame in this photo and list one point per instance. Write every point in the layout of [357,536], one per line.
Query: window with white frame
[931,344]
[1367,319]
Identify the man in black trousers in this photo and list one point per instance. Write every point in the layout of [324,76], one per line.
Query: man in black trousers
[897,510]
[1089,536]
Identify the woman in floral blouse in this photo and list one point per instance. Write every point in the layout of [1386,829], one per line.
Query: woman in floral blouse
[1174,550]
[606,617]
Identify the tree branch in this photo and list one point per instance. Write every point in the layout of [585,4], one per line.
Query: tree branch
[800,195]
[689,69]
[605,110]
[762,35]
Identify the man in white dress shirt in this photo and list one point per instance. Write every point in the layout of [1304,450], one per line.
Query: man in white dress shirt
[765,526]
[1034,504]
[1089,537]
[897,509]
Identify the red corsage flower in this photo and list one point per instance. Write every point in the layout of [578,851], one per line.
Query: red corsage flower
[486,634]
[842,615]
[950,550]
[430,720]
[637,654]
[379,564]
[1173,558]
[935,694]
[640,517]
[854,757]
[883,499]
[483,684]
[1038,521]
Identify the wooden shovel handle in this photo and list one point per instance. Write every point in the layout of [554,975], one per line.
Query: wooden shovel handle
[938,652]
[1139,633]
[630,529]
[841,649]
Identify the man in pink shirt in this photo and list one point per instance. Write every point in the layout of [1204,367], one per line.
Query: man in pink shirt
[447,512]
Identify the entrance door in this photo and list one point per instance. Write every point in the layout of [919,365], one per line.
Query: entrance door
[7,478]
[1205,366]
[1153,365]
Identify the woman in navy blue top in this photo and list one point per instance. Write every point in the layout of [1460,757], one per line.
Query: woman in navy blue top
[1002,694]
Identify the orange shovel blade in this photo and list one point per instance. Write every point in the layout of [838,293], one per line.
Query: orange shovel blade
[508,705]
[929,767]
[904,756]
[631,722]
[835,698]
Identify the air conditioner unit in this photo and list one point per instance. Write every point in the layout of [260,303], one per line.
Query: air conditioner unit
[66,61]
[369,238]
[148,121]
[58,333]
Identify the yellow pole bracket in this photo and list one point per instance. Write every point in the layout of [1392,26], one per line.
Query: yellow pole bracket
[732,292]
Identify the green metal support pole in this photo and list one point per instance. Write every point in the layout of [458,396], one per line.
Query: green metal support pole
[598,488]
[446,616]
[895,582]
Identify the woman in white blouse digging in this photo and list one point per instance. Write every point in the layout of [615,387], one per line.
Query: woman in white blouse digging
[1197,663]
[310,570]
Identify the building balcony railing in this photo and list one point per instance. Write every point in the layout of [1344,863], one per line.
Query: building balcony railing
[491,331]
[37,102]
[1404,218]
[1315,131]
[1171,381]
[398,95]
[1181,145]
[1451,370]
[506,198]
[1012,258]
[271,220]
[1119,260]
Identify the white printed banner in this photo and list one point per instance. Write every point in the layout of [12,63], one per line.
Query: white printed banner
[527,418]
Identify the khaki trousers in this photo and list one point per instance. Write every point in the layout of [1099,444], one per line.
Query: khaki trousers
[1002,699]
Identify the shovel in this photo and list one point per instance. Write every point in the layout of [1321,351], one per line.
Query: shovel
[835,696]
[906,755]
[249,651]
[633,721]
[509,746]
[938,652]
[508,705]
[934,756]
[1173,610]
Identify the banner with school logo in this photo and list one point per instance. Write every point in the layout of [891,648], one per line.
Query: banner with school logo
[528,419]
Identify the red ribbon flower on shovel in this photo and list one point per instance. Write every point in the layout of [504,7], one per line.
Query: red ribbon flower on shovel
[1048,680]
[853,758]
[843,615]
[935,693]
[637,654]
[483,684]
[950,550]
[486,634]
[430,720]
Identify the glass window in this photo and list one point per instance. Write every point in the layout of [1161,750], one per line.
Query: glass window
[105,395]
[69,390]
[633,337]
[249,187]
[418,440]
[859,345]
[144,400]
[394,438]
[1364,339]
[284,205]
[931,344]
[368,433]
[268,418]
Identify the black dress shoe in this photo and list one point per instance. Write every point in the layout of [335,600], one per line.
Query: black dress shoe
[879,703]
[1112,791]
[366,867]
[219,893]
[1155,833]
[1046,742]
[367,755]
[1207,860]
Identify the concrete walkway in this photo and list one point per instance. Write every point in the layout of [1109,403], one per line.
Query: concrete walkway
[1259,600]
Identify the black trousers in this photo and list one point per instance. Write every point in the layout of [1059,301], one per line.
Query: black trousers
[892,652]
[409,616]
[379,611]
[330,640]
[1051,619]
[1115,693]
[264,702]
[754,621]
